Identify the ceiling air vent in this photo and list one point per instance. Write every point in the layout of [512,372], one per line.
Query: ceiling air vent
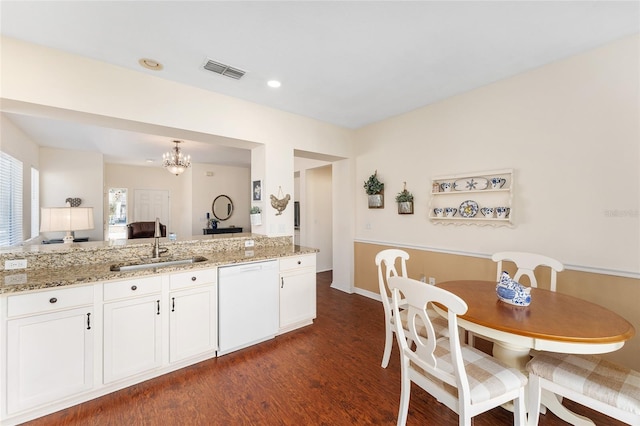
[223,69]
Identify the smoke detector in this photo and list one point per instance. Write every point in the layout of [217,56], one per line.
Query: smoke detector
[222,69]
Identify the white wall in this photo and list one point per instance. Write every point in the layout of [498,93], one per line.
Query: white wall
[75,174]
[230,181]
[19,146]
[318,215]
[49,82]
[136,177]
[570,130]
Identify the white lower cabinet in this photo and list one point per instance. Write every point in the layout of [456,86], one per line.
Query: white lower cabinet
[192,314]
[297,291]
[132,337]
[132,327]
[49,350]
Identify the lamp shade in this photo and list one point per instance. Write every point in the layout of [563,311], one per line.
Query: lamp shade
[66,219]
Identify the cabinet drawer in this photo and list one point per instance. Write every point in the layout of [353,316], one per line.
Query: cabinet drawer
[51,300]
[303,261]
[132,288]
[193,278]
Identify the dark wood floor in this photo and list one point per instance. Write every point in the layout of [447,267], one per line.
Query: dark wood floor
[325,374]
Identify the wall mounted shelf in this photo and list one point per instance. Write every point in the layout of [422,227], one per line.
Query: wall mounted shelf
[469,194]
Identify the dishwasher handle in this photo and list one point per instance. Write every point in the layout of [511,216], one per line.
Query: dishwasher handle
[247,268]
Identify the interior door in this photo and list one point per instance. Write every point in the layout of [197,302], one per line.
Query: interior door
[151,203]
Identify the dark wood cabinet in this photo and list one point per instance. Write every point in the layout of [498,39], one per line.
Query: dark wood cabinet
[231,230]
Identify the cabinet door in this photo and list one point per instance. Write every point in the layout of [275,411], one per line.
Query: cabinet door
[192,322]
[132,337]
[297,296]
[50,357]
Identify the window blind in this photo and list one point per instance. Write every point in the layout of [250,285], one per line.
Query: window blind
[35,202]
[10,200]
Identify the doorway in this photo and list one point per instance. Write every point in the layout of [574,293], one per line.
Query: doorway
[150,204]
[117,220]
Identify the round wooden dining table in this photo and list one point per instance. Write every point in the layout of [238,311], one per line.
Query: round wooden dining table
[553,322]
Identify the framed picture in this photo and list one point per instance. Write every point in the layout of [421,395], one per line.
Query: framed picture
[257,190]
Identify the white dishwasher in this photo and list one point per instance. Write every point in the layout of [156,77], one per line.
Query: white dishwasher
[248,301]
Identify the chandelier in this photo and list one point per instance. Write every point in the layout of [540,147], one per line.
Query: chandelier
[174,161]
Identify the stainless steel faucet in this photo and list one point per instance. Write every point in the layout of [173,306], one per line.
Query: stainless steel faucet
[156,246]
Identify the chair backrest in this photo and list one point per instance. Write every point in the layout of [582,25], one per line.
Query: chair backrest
[416,295]
[386,262]
[526,264]
[144,230]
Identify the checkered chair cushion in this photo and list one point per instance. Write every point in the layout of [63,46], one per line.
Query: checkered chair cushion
[487,376]
[592,377]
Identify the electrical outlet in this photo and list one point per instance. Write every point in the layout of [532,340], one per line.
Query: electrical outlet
[423,278]
[15,264]
[249,243]
[432,281]
[15,279]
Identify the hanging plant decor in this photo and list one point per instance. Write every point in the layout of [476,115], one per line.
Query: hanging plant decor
[405,201]
[256,215]
[375,191]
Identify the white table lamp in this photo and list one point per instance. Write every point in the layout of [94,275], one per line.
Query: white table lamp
[69,219]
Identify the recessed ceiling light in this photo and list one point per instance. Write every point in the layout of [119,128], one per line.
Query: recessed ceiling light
[150,64]
[149,160]
[274,83]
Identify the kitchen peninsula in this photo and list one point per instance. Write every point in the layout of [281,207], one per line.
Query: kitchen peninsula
[84,320]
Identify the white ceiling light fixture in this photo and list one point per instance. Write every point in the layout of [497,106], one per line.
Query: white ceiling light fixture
[274,83]
[174,161]
[150,64]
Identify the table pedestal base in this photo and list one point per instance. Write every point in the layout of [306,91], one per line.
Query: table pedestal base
[512,355]
[553,403]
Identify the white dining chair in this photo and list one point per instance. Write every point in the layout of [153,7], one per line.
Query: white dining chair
[588,380]
[466,380]
[386,262]
[526,264]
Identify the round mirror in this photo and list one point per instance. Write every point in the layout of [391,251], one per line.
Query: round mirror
[222,207]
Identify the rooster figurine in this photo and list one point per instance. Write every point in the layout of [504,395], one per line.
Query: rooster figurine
[281,204]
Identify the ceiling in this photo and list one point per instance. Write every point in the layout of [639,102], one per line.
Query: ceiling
[347,63]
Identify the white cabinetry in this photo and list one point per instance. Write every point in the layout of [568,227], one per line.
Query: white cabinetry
[469,195]
[297,291]
[192,314]
[132,327]
[65,346]
[50,341]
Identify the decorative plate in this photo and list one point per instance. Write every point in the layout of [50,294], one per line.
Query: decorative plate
[468,208]
[470,184]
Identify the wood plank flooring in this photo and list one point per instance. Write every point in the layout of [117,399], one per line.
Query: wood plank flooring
[325,374]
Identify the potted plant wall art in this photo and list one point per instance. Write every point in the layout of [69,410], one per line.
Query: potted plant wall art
[375,191]
[256,215]
[405,201]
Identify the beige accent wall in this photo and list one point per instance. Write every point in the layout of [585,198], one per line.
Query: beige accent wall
[621,294]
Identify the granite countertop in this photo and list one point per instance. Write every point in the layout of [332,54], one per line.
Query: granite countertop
[16,281]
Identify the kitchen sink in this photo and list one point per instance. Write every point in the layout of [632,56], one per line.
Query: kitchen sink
[155,263]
